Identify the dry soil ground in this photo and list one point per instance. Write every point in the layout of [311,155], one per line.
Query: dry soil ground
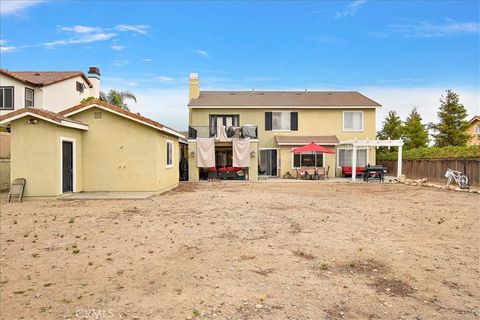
[245,251]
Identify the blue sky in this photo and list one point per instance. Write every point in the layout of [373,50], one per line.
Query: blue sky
[402,54]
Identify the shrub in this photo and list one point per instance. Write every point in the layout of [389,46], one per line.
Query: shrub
[450,152]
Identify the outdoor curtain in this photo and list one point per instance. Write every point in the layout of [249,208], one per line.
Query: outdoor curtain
[205,152]
[221,134]
[241,152]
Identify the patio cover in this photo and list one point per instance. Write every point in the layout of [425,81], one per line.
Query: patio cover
[374,143]
[312,147]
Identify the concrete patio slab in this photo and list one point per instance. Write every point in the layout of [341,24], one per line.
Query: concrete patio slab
[107,196]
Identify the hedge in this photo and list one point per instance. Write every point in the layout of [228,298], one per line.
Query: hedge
[433,153]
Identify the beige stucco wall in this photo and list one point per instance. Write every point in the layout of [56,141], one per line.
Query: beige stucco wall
[62,95]
[311,122]
[55,97]
[36,156]
[316,122]
[123,155]
[475,139]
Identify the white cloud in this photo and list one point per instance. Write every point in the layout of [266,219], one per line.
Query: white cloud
[141,29]
[92,38]
[16,6]
[424,98]
[202,53]
[81,29]
[351,9]
[167,106]
[147,60]
[4,48]
[119,63]
[424,29]
[117,47]
[164,79]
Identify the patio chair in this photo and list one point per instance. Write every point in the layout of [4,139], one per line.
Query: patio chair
[17,189]
[321,173]
[312,173]
[301,173]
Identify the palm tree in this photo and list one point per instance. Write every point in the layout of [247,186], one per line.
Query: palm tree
[117,98]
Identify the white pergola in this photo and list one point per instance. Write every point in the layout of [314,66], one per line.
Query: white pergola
[373,143]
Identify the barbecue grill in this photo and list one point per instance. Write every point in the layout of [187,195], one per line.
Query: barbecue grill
[374,172]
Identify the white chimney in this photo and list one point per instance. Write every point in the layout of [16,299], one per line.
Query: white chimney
[94,77]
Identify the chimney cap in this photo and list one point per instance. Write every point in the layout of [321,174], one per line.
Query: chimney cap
[193,75]
[94,71]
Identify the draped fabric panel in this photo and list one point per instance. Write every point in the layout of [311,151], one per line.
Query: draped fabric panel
[241,152]
[205,152]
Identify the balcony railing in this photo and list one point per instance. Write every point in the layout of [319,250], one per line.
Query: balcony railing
[248,131]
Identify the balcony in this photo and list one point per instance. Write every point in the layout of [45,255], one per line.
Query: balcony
[242,132]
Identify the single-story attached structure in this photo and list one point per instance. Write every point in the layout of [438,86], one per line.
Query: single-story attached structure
[91,147]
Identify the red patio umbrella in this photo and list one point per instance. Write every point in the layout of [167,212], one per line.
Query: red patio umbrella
[312,147]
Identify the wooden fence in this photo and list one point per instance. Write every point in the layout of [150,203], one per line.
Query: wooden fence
[434,169]
[4,145]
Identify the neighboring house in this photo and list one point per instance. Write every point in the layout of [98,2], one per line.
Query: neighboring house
[474,131]
[91,147]
[49,90]
[277,122]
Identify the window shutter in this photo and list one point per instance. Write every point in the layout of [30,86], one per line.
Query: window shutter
[294,121]
[268,121]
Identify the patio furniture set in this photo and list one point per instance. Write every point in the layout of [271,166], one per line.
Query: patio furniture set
[226,173]
[308,173]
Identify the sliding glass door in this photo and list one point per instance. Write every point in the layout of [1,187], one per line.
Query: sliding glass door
[268,162]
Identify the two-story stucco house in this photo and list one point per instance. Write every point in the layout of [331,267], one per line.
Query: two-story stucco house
[474,131]
[50,90]
[276,122]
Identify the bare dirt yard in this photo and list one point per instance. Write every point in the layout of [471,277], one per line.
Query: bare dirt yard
[245,251]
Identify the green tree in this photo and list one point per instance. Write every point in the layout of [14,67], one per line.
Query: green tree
[415,134]
[392,127]
[118,98]
[87,99]
[451,130]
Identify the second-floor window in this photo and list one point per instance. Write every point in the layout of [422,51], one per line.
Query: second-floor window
[29,96]
[281,121]
[80,87]
[476,130]
[169,154]
[353,121]
[6,98]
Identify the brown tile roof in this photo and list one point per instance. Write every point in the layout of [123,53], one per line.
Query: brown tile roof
[296,140]
[74,109]
[54,117]
[283,98]
[44,78]
[474,118]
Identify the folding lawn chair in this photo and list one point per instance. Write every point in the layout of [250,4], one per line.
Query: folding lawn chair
[17,188]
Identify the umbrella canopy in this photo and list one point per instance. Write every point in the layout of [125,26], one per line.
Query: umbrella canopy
[312,147]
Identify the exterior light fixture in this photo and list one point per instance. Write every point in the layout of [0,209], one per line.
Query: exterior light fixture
[32,121]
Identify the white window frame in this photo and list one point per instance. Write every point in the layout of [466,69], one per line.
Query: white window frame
[169,142]
[292,165]
[33,97]
[476,129]
[351,130]
[338,155]
[290,120]
[74,169]
[3,95]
